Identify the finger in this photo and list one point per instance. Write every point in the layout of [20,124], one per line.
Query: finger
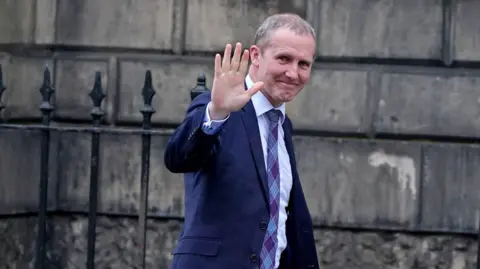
[218,64]
[255,88]
[236,57]
[244,62]
[226,58]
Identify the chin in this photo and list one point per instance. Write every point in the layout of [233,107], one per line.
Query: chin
[284,95]
[285,98]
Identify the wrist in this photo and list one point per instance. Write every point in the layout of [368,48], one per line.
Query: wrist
[216,113]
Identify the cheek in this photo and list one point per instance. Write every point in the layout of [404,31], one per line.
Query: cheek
[304,77]
[276,71]
[269,70]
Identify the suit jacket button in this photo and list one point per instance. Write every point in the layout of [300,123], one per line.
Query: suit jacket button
[253,258]
[263,225]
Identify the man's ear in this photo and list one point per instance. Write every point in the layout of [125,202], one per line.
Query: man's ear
[255,55]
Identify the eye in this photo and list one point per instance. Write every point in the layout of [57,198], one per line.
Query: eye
[304,64]
[283,58]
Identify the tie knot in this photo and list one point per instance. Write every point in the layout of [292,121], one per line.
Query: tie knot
[273,115]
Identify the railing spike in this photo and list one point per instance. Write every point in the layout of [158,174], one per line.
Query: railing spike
[46,90]
[148,91]
[200,87]
[97,95]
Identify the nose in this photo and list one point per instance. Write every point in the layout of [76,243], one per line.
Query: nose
[292,72]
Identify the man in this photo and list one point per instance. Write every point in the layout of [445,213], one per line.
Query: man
[244,205]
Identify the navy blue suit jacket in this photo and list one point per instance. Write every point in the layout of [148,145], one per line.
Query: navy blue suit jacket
[226,195]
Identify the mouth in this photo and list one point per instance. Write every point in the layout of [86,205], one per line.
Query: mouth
[286,84]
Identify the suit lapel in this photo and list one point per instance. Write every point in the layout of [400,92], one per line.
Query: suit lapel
[249,118]
[287,130]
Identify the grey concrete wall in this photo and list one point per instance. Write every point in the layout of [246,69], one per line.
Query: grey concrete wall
[385,130]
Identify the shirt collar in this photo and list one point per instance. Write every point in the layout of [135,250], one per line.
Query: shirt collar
[261,103]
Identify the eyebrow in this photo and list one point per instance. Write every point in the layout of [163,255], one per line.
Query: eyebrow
[306,61]
[286,54]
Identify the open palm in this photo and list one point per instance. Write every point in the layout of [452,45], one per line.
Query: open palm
[228,90]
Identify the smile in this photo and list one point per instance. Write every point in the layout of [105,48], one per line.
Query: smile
[286,84]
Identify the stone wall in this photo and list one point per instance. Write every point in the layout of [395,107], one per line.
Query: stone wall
[386,132]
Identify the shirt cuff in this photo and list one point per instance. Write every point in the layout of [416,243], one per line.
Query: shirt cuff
[210,126]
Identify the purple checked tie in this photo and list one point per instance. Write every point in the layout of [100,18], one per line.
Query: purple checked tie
[267,256]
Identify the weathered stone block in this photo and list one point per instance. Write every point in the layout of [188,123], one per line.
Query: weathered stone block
[18,236]
[383,250]
[115,23]
[120,173]
[213,24]
[117,239]
[16,21]
[334,100]
[172,79]
[23,78]
[75,79]
[450,199]
[116,242]
[20,162]
[378,28]
[467,30]
[360,183]
[27,21]
[428,104]
[46,14]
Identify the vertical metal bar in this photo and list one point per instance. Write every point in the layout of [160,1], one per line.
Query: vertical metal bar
[147,110]
[97,113]
[46,90]
[199,88]
[2,89]
[478,240]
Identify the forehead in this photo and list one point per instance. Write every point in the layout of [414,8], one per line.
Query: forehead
[288,42]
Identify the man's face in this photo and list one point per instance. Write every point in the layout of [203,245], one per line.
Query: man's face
[284,65]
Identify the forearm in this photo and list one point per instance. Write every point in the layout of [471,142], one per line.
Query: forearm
[193,142]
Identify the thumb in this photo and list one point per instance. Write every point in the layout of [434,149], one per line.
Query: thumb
[255,88]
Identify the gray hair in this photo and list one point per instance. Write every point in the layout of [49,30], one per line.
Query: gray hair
[290,21]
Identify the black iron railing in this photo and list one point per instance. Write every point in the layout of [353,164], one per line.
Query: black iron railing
[46,107]
[97,95]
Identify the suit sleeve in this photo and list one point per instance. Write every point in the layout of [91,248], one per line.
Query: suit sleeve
[193,142]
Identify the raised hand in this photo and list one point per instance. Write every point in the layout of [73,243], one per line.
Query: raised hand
[228,90]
